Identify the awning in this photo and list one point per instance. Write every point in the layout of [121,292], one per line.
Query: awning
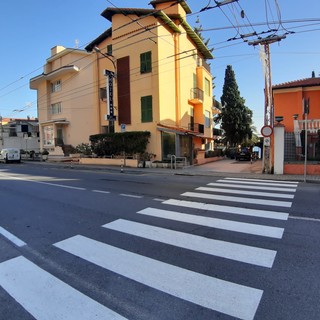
[57,121]
[181,131]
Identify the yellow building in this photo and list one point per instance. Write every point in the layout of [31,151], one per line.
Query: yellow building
[66,98]
[154,66]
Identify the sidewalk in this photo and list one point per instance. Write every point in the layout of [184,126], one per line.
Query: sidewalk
[225,167]
[244,169]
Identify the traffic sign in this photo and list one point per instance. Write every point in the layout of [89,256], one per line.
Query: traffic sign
[266,131]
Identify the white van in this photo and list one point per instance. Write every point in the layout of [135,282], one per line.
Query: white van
[10,155]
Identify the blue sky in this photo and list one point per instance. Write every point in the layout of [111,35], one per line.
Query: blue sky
[29,29]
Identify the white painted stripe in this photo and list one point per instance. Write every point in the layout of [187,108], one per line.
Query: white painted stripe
[101,191]
[130,196]
[238,199]
[158,199]
[304,218]
[46,297]
[47,183]
[242,227]
[12,238]
[238,252]
[251,193]
[234,210]
[220,295]
[261,183]
[264,180]
[239,186]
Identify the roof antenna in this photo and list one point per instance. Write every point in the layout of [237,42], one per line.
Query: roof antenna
[76,43]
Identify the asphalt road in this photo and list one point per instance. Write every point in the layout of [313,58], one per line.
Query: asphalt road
[100,244]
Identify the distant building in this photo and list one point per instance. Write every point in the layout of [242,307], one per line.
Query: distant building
[19,133]
[159,81]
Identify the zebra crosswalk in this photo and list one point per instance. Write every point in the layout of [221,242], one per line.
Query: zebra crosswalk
[45,296]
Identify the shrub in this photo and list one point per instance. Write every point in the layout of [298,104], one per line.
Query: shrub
[117,143]
[84,148]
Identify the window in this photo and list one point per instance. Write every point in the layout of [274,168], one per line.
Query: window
[146,109]
[207,86]
[48,139]
[207,119]
[55,108]
[109,49]
[145,62]
[56,86]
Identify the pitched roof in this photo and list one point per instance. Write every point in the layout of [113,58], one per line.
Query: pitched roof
[99,39]
[166,19]
[182,3]
[308,82]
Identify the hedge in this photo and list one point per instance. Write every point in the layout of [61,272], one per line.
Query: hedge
[130,142]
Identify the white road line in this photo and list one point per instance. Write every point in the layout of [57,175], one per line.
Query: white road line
[251,193]
[220,295]
[242,227]
[46,183]
[234,210]
[130,196]
[243,253]
[158,199]
[11,237]
[260,183]
[46,297]
[266,181]
[304,218]
[238,199]
[101,191]
[239,186]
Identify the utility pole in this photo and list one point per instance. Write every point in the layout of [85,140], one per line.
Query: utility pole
[1,132]
[269,107]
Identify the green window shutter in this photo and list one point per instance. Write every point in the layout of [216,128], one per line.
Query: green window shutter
[145,62]
[146,109]
[109,49]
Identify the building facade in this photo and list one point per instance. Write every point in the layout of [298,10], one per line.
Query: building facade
[148,72]
[66,98]
[17,133]
[298,103]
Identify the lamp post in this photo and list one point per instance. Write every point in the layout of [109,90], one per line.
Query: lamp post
[110,75]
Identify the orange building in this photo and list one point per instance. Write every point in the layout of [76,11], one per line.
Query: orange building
[288,102]
[298,102]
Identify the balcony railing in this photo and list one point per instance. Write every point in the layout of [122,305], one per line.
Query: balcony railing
[196,94]
[196,127]
[313,125]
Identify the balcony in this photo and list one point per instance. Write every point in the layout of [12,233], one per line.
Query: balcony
[196,127]
[196,95]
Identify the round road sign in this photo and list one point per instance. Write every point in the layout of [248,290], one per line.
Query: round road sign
[266,131]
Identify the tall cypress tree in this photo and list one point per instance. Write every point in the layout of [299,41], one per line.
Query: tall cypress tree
[236,118]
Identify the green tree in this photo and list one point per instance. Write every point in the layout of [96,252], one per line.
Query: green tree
[235,117]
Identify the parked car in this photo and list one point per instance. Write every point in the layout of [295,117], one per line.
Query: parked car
[231,152]
[244,154]
[10,155]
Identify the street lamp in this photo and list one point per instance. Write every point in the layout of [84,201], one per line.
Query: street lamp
[96,49]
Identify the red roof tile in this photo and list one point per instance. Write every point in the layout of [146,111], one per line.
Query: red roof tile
[308,82]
